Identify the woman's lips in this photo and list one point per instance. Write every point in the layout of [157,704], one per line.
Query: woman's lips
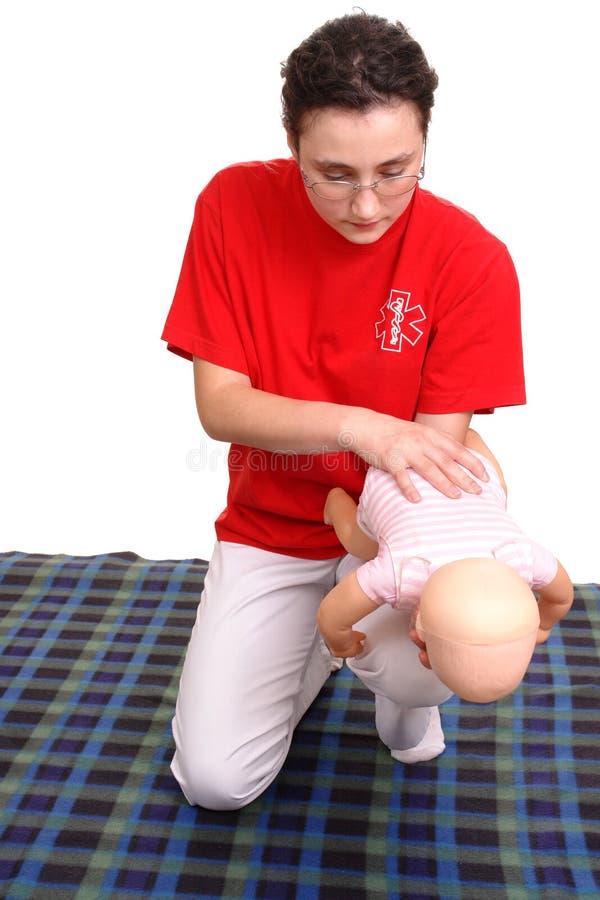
[364,225]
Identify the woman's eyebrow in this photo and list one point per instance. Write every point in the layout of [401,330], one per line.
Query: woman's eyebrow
[401,158]
[334,164]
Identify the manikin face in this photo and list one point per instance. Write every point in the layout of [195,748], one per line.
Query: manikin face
[361,147]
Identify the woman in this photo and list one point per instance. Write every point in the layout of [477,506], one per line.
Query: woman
[338,316]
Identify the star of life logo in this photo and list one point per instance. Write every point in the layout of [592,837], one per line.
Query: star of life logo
[399,322]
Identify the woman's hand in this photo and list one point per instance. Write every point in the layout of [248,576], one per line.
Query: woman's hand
[397,446]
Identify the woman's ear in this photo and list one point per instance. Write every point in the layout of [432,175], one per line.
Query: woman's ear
[293,148]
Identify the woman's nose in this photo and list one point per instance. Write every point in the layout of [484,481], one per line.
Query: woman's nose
[365,203]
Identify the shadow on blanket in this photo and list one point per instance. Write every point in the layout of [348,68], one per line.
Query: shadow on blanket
[91,652]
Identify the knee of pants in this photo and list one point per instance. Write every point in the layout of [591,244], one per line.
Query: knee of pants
[212,784]
[411,686]
[390,664]
[224,779]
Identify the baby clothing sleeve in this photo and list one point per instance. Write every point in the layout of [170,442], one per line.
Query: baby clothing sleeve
[396,582]
[534,563]
[544,566]
[376,577]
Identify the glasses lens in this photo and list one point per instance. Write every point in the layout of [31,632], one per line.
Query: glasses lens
[387,187]
[333,190]
[392,187]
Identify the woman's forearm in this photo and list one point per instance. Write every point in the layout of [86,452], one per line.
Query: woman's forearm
[238,413]
[231,410]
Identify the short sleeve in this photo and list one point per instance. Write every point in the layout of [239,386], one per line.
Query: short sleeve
[474,360]
[201,321]
[377,578]
[397,583]
[544,566]
[534,563]
[411,574]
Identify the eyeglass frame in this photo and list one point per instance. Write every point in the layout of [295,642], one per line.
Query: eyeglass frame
[364,187]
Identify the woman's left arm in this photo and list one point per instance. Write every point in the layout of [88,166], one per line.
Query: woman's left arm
[454,424]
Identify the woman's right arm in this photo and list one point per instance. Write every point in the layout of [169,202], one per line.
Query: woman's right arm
[231,410]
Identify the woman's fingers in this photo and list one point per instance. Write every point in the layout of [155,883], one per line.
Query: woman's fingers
[470,462]
[400,446]
[406,485]
[441,469]
[450,480]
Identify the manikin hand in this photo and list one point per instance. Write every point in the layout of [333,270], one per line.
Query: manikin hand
[412,633]
[345,643]
[334,498]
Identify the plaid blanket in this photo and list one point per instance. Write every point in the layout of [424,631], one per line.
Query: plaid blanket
[91,652]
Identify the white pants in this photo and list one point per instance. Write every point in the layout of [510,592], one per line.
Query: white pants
[255,663]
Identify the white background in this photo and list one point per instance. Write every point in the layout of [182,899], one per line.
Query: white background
[113,117]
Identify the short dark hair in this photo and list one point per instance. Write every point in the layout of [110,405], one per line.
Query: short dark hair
[356,62]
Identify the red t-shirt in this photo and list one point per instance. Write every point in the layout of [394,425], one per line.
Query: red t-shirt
[424,319]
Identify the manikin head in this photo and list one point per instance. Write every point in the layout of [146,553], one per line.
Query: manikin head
[479,620]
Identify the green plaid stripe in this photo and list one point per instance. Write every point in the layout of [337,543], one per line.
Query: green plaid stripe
[91,654]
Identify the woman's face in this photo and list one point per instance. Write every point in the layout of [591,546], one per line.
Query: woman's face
[361,147]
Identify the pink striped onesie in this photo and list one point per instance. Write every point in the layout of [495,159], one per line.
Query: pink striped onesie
[415,539]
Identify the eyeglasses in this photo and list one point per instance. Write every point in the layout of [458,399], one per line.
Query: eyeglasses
[391,186]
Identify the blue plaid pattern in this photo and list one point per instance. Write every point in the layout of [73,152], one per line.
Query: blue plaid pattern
[91,653]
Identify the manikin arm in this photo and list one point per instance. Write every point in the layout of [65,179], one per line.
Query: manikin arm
[347,602]
[343,606]
[340,511]
[555,600]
